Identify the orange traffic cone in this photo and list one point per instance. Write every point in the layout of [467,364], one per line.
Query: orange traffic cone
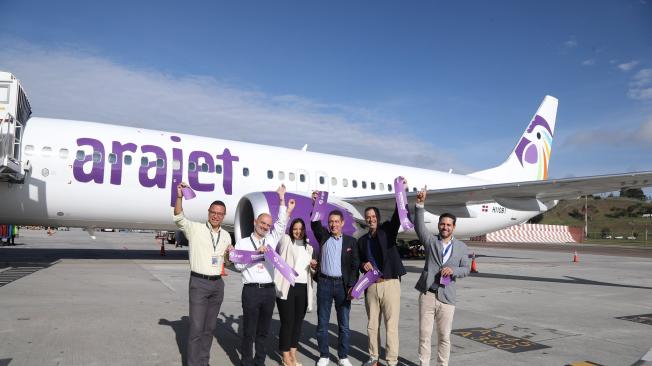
[474,266]
[162,247]
[223,271]
[576,258]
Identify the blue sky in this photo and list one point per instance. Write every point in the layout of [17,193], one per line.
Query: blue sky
[431,84]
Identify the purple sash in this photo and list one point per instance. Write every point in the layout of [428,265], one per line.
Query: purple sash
[188,193]
[365,281]
[401,204]
[445,280]
[319,207]
[245,256]
[284,269]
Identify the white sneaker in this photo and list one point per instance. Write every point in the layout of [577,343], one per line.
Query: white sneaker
[371,362]
[344,362]
[324,361]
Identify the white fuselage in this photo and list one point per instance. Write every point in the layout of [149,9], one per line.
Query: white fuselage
[61,190]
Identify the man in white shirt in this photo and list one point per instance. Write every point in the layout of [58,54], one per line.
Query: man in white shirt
[207,244]
[258,292]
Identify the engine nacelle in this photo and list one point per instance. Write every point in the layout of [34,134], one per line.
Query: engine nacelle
[254,204]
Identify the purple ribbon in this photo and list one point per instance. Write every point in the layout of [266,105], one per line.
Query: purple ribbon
[401,204]
[319,206]
[245,256]
[277,261]
[445,280]
[188,193]
[365,281]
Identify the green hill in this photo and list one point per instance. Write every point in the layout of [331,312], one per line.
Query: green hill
[613,216]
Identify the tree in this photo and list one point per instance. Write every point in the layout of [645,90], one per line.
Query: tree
[536,219]
[636,193]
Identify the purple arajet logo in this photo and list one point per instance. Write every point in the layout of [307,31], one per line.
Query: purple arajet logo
[153,173]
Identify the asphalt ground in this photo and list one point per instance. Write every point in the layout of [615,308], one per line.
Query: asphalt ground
[69,300]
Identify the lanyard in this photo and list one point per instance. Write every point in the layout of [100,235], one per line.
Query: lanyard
[254,244]
[219,233]
[448,248]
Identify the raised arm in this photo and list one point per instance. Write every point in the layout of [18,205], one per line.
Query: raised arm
[178,205]
[281,221]
[425,236]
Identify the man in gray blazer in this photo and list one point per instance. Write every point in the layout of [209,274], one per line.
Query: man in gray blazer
[446,261]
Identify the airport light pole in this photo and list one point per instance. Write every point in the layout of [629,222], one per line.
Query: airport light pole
[586,220]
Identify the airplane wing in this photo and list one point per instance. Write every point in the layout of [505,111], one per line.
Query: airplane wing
[524,196]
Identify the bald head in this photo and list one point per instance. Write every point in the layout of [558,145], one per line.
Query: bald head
[262,224]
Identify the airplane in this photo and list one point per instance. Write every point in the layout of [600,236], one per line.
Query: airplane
[56,172]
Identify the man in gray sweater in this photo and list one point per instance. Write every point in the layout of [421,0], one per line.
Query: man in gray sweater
[446,261]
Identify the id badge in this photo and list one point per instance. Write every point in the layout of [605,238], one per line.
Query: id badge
[214,261]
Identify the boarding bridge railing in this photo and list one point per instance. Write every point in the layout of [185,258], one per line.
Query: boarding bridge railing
[10,133]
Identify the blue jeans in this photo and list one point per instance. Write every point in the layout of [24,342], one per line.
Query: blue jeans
[328,291]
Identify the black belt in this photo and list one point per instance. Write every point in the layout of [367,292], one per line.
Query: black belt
[210,278]
[432,290]
[330,277]
[259,285]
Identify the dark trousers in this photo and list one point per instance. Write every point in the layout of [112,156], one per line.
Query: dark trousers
[291,313]
[205,301]
[257,310]
[329,291]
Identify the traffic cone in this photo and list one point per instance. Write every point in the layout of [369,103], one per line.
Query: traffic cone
[576,258]
[474,266]
[223,271]
[162,247]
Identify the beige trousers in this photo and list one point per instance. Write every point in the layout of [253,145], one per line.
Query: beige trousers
[432,310]
[383,301]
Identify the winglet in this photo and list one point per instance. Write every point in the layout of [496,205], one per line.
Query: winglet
[530,157]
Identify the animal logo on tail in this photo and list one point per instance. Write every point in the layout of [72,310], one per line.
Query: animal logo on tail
[535,146]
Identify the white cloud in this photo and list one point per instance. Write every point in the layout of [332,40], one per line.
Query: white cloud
[627,66]
[640,135]
[589,62]
[640,87]
[72,84]
[571,43]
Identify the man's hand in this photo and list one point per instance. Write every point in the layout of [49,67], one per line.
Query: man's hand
[180,186]
[348,293]
[230,248]
[313,264]
[281,193]
[446,271]
[367,266]
[263,249]
[291,204]
[421,195]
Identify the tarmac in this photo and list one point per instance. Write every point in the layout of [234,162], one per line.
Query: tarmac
[69,300]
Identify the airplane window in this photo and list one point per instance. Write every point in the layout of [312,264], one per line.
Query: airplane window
[204,167]
[354,183]
[389,187]
[414,189]
[281,175]
[144,161]
[29,149]
[63,153]
[291,177]
[333,181]
[364,185]
[97,156]
[218,169]
[160,164]
[128,159]
[270,174]
[302,178]
[345,182]
[373,185]
[245,172]
[112,158]
[80,155]
[321,180]
[381,186]
[192,166]
[46,151]
[176,164]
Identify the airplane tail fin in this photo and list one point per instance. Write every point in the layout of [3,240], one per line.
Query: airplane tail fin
[530,157]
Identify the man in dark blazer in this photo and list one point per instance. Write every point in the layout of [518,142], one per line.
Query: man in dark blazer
[337,272]
[377,249]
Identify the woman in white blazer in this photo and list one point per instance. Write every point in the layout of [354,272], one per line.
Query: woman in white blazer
[293,301]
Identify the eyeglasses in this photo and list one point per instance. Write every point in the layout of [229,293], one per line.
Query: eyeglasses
[215,213]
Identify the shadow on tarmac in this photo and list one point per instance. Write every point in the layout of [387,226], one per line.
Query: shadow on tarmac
[19,255]
[228,337]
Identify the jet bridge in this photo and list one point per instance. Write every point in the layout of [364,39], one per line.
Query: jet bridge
[14,113]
